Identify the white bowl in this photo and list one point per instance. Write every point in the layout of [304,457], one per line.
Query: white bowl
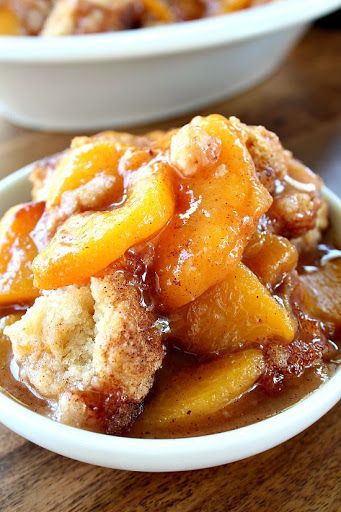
[116,79]
[164,454]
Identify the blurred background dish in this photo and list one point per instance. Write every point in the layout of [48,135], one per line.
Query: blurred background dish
[133,76]
[75,17]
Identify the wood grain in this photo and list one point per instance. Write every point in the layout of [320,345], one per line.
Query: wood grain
[301,103]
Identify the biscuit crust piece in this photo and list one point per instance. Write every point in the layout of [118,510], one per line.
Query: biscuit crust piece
[91,351]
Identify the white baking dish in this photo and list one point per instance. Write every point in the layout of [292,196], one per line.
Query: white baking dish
[116,79]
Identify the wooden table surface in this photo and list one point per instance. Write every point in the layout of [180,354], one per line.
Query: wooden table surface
[301,103]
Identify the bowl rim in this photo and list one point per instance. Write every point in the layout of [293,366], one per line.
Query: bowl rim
[172,454]
[165,39]
[168,454]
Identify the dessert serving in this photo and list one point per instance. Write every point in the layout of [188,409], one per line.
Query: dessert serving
[169,285]
[67,17]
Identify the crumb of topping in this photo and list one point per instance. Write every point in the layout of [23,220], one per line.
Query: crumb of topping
[311,238]
[31,13]
[96,193]
[295,213]
[92,16]
[193,149]
[91,350]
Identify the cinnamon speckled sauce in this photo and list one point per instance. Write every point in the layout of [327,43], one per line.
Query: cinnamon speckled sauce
[259,403]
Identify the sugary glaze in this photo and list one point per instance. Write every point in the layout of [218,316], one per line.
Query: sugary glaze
[268,397]
[258,404]
[203,243]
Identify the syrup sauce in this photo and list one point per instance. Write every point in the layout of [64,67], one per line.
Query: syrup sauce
[253,406]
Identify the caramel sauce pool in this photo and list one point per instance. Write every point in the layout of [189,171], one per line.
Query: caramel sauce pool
[254,406]
[9,373]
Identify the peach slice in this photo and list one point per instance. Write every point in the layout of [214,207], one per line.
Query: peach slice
[88,242]
[233,313]
[322,295]
[220,205]
[9,22]
[233,5]
[81,164]
[270,257]
[190,396]
[159,10]
[17,251]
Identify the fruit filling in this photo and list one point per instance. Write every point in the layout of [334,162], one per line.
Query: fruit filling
[167,285]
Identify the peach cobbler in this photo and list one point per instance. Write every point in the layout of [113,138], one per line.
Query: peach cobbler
[171,284]
[68,17]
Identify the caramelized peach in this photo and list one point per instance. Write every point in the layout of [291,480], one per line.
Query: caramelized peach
[232,5]
[158,10]
[270,257]
[219,209]
[81,164]
[322,297]
[88,242]
[17,251]
[9,22]
[231,314]
[206,390]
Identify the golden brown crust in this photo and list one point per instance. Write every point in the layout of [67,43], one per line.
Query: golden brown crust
[92,350]
[98,410]
[128,350]
[308,347]
[268,155]
[193,149]
[294,187]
